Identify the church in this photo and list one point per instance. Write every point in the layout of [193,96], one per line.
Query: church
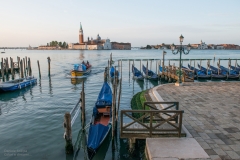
[90,44]
[98,43]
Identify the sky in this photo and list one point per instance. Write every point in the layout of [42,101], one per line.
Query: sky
[140,22]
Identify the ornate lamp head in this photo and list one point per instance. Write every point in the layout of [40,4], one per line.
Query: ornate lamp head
[173,47]
[181,38]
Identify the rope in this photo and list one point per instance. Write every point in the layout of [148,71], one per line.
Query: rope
[75,116]
[75,107]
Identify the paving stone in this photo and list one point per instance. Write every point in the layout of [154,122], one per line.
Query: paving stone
[235,147]
[210,152]
[225,147]
[215,157]
[233,155]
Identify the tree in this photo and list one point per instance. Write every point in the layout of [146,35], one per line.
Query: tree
[60,44]
[64,44]
[148,47]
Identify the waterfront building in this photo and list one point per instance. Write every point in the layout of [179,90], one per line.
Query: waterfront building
[97,44]
[48,47]
[201,45]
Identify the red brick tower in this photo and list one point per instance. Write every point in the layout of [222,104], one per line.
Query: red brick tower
[81,34]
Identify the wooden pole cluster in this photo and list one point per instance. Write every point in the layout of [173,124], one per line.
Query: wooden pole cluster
[68,133]
[2,69]
[24,67]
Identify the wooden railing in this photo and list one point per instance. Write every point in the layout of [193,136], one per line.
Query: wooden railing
[151,123]
[164,106]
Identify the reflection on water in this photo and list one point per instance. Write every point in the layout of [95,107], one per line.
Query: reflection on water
[6,96]
[75,81]
[81,56]
[50,87]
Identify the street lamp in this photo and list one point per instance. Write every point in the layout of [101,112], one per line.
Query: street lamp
[181,50]
[164,53]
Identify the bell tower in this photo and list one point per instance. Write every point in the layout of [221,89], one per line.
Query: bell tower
[81,34]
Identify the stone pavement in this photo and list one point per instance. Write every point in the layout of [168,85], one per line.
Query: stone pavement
[211,114]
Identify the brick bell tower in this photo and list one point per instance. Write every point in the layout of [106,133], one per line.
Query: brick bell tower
[80,34]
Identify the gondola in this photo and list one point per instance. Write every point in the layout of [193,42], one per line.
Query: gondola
[190,74]
[137,74]
[231,74]
[100,124]
[199,73]
[235,68]
[217,73]
[112,72]
[149,74]
[17,84]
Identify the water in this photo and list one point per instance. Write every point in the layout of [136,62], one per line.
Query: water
[31,119]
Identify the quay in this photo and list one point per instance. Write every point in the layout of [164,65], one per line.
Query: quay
[211,120]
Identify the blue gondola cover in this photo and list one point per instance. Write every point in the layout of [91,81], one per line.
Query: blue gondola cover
[105,96]
[96,135]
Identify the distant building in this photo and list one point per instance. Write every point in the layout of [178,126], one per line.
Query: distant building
[48,47]
[96,44]
[219,47]
[202,45]
[121,46]
[230,46]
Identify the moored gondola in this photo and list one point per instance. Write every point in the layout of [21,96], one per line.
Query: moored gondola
[100,124]
[231,74]
[137,74]
[149,74]
[199,73]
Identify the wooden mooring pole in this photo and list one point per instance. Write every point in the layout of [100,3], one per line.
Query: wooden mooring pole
[39,69]
[12,67]
[49,61]
[129,67]
[83,106]
[29,67]
[113,104]
[21,64]
[24,67]
[68,133]
[108,74]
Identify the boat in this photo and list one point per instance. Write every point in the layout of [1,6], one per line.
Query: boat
[199,73]
[190,73]
[17,84]
[149,74]
[217,73]
[100,124]
[82,69]
[235,68]
[137,74]
[231,74]
[207,71]
[112,72]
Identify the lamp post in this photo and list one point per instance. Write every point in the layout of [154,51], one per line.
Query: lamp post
[164,53]
[180,49]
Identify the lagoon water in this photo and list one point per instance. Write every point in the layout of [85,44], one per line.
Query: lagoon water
[31,119]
